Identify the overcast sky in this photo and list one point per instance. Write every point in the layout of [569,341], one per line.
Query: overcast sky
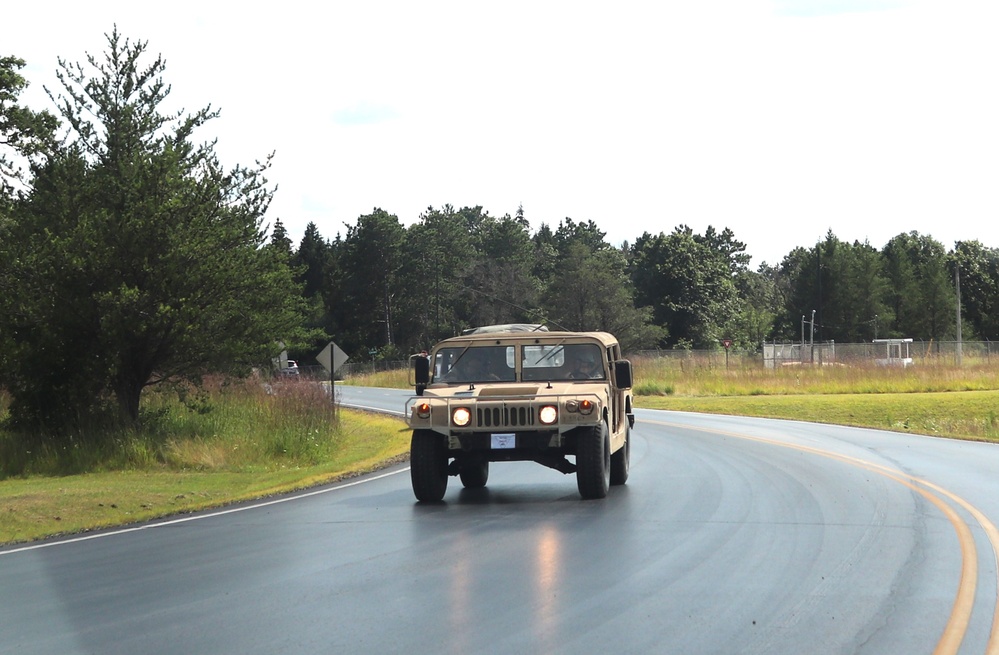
[779,119]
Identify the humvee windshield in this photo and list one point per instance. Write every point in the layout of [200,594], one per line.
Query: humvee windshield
[539,363]
[479,364]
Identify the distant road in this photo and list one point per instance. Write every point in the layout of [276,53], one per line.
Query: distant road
[732,535]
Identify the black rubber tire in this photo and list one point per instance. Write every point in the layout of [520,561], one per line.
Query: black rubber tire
[593,460]
[474,475]
[621,461]
[428,465]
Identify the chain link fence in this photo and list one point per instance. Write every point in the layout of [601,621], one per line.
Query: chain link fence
[362,368]
[921,353]
[913,353]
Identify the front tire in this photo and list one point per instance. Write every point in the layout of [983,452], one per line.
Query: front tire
[428,465]
[621,461]
[593,462]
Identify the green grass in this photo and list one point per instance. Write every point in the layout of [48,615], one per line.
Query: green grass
[939,399]
[224,444]
[964,415]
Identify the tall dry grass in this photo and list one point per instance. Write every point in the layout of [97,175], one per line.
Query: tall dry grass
[247,424]
[394,379]
[221,425]
[695,377]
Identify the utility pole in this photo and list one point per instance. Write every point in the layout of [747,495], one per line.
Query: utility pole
[811,338]
[957,285]
[802,358]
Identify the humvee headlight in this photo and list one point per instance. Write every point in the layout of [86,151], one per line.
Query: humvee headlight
[548,414]
[585,406]
[423,410]
[461,416]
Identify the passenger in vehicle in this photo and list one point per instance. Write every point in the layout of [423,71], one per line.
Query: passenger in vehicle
[585,364]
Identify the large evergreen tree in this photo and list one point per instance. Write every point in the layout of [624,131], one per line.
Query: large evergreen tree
[502,289]
[921,287]
[869,286]
[23,133]
[280,241]
[853,290]
[437,257]
[370,261]
[591,291]
[136,257]
[313,264]
[312,261]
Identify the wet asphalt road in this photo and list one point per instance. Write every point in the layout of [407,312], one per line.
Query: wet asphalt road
[731,536]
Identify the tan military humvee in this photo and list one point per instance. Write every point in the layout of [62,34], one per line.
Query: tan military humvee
[516,393]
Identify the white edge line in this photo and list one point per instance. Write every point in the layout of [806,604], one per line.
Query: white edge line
[210,514]
[198,517]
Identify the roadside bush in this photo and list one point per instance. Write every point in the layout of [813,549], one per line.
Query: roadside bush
[221,424]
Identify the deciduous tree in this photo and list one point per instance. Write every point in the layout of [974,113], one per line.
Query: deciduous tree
[688,283]
[979,270]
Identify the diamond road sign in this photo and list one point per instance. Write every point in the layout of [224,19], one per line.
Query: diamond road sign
[332,357]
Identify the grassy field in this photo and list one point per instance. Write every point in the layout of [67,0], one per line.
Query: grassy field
[939,399]
[225,444]
[235,441]
[963,415]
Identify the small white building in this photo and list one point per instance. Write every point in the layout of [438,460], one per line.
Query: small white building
[893,352]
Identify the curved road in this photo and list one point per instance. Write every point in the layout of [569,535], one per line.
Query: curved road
[732,535]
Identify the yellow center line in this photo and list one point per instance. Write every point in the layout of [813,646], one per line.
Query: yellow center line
[957,624]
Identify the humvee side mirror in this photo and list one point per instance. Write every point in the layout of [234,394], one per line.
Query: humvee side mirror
[421,372]
[622,374]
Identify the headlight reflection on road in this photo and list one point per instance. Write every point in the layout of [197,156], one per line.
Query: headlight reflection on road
[470,585]
[462,625]
[548,578]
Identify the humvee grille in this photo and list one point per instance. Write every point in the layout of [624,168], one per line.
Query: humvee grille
[504,416]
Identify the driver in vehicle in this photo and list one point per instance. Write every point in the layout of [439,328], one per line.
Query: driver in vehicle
[472,367]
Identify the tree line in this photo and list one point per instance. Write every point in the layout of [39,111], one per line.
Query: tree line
[130,256]
[389,289]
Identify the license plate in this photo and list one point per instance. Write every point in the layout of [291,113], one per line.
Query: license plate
[505,440]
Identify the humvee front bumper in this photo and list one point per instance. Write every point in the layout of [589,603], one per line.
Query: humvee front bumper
[458,415]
